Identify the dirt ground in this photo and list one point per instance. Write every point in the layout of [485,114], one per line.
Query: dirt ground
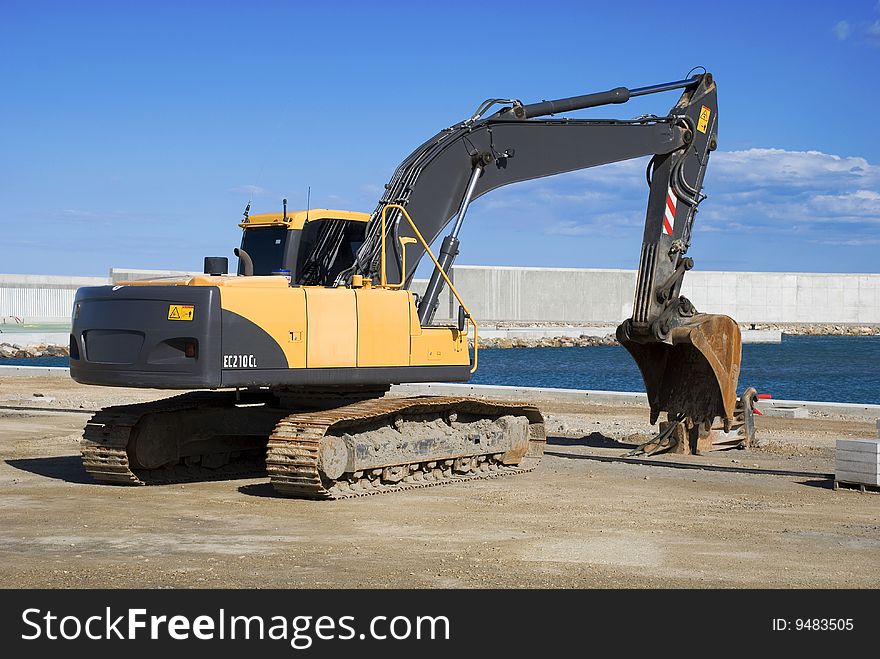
[574,522]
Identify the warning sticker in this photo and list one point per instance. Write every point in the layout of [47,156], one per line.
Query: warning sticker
[703,123]
[181,311]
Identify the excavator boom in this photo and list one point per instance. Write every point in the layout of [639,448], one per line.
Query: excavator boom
[689,361]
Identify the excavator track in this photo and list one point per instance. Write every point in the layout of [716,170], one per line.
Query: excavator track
[109,435]
[293,459]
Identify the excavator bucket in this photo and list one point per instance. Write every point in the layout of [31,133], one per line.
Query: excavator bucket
[693,376]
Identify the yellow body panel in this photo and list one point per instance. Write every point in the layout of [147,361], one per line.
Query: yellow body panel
[298,219]
[436,346]
[383,327]
[280,312]
[332,327]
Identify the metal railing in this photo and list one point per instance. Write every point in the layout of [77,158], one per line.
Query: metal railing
[383,282]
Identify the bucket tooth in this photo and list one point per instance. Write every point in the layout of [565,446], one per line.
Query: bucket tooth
[689,438]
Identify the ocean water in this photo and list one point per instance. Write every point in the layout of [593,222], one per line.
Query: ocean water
[845,369]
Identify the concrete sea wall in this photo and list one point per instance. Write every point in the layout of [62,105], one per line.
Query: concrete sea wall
[40,298]
[602,296]
[545,295]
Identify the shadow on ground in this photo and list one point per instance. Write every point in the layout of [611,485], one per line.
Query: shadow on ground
[825,483]
[264,490]
[67,468]
[593,440]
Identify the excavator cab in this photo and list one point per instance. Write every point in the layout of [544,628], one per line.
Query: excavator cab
[277,242]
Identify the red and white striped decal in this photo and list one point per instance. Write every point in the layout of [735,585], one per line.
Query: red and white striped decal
[669,214]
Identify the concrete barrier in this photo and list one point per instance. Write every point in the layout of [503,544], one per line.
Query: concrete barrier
[604,296]
[34,371]
[573,295]
[48,299]
[29,299]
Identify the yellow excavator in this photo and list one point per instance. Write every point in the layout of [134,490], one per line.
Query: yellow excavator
[292,355]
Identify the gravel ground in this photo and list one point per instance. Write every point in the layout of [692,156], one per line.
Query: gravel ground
[574,522]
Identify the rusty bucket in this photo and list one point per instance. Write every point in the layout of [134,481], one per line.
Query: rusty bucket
[694,374]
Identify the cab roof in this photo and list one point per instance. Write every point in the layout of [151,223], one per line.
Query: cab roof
[298,219]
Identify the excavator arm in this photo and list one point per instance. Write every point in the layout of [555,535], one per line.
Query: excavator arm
[518,144]
[689,361]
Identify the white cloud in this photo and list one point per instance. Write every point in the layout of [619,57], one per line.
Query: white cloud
[781,190]
[764,168]
[603,224]
[842,29]
[810,194]
[861,205]
[862,31]
[568,228]
[853,242]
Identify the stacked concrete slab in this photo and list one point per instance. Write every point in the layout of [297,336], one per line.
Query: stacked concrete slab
[858,462]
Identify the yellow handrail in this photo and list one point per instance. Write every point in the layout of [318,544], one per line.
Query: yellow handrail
[383,282]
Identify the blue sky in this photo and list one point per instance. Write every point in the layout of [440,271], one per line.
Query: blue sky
[134,133]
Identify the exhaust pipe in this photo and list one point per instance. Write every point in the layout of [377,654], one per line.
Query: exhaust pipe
[247,263]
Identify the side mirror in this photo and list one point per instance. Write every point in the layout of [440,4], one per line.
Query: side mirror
[462,319]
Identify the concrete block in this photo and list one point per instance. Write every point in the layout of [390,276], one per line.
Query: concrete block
[762,336]
[858,461]
[787,411]
[869,446]
[865,469]
[861,479]
[35,371]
